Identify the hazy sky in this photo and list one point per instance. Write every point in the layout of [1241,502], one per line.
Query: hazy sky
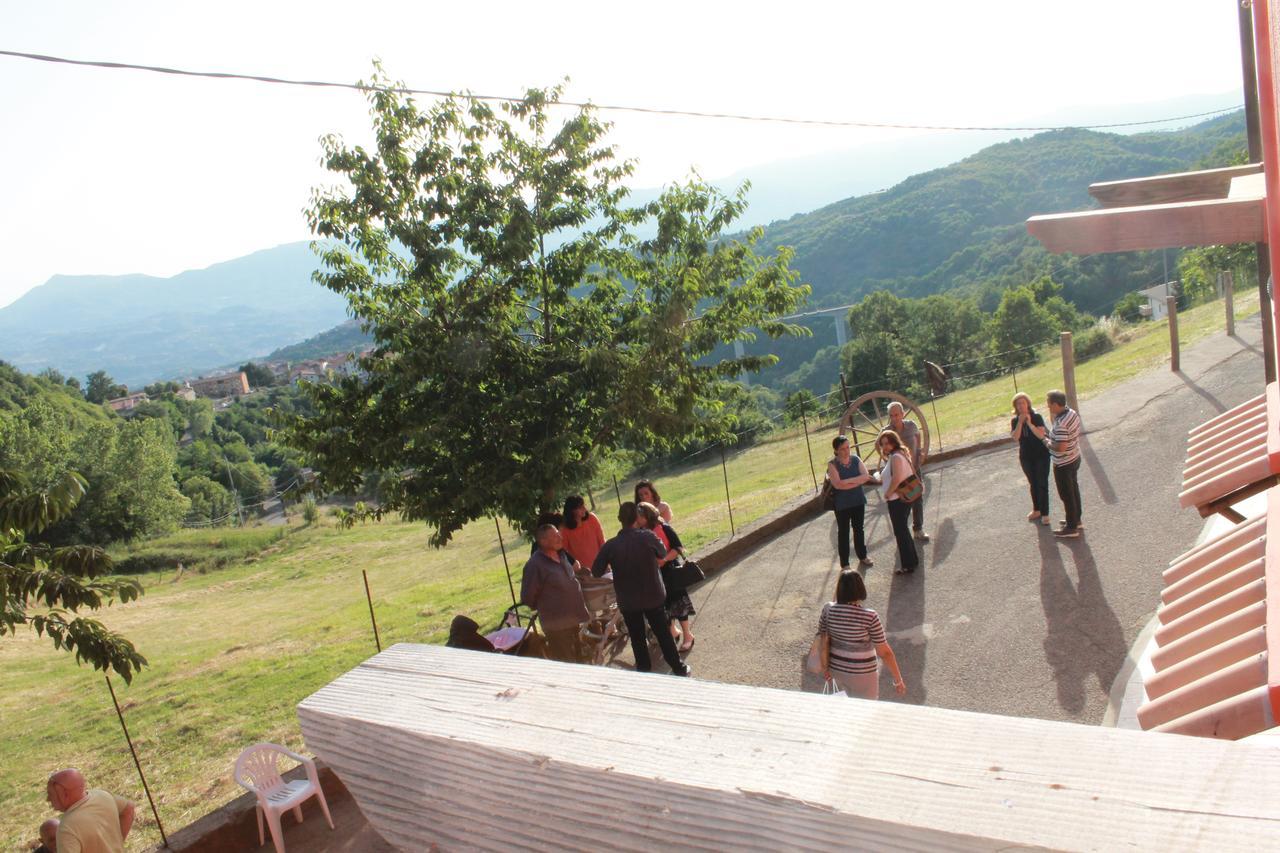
[127,171]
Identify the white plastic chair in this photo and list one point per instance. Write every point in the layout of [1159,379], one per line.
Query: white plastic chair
[257,770]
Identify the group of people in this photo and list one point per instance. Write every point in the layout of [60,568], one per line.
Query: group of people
[93,820]
[900,452]
[855,636]
[572,545]
[1044,447]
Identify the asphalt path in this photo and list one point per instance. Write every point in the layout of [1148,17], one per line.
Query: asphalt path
[1002,617]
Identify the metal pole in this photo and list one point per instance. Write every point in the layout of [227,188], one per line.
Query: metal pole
[616,490]
[1171,305]
[1229,298]
[933,401]
[369,597]
[145,787]
[725,468]
[503,546]
[805,420]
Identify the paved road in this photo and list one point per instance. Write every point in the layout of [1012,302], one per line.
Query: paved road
[1002,617]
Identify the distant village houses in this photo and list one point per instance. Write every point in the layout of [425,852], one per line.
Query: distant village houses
[223,385]
[128,402]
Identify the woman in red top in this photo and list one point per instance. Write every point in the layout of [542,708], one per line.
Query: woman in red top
[581,531]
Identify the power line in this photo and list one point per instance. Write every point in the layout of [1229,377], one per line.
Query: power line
[471,96]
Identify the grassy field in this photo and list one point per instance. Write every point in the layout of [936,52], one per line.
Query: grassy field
[262,617]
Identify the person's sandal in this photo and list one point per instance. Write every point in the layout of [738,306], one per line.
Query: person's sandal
[1033,515]
[866,562]
[686,648]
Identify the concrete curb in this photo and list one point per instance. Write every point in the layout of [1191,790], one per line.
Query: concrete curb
[721,553]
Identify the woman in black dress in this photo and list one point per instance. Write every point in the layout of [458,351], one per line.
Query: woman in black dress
[1033,455]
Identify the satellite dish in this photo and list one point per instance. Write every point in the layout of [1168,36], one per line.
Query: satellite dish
[937,376]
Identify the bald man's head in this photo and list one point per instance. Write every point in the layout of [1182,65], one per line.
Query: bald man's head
[65,789]
[49,834]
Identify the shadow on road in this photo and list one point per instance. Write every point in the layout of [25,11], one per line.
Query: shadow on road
[904,617]
[1245,345]
[1083,635]
[944,540]
[1096,470]
[1218,406]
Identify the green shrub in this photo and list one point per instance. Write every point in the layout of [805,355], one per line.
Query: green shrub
[1093,342]
[310,513]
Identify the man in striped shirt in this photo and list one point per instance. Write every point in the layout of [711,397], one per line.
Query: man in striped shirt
[1063,441]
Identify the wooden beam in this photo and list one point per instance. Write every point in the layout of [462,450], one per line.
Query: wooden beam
[1167,189]
[468,750]
[1160,226]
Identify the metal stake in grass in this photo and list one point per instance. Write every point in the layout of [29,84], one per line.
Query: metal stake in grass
[145,787]
[804,418]
[727,502]
[503,547]
[376,639]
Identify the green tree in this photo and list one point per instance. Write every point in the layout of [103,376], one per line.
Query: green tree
[522,330]
[1129,307]
[99,387]
[259,375]
[46,587]
[1198,270]
[800,404]
[138,494]
[199,415]
[1019,322]
[210,502]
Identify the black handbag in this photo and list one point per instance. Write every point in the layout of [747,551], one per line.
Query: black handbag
[828,496]
[682,574]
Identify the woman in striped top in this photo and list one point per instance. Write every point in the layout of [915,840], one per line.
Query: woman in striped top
[856,640]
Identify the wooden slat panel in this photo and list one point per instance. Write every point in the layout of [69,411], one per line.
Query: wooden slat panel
[1165,189]
[1256,404]
[483,751]
[1161,226]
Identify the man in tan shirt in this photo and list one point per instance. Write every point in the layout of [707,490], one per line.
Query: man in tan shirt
[93,821]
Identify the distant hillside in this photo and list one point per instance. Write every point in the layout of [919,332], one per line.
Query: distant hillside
[964,227]
[965,223]
[141,328]
[345,337]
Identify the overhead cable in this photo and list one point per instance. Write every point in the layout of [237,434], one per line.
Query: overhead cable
[471,96]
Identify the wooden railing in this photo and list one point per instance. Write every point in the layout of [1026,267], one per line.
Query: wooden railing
[467,750]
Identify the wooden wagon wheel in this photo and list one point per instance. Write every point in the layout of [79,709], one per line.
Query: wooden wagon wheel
[868,416]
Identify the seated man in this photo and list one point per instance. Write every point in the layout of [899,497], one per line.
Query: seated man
[550,587]
[92,820]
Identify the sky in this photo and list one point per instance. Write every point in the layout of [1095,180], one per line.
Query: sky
[120,171]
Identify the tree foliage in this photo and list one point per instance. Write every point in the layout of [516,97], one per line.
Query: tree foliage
[45,587]
[99,387]
[522,330]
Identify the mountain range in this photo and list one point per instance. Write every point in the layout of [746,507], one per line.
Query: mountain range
[957,226]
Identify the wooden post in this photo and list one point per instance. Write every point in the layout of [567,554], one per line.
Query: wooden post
[1069,370]
[1253,133]
[1171,305]
[1229,297]
[616,491]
